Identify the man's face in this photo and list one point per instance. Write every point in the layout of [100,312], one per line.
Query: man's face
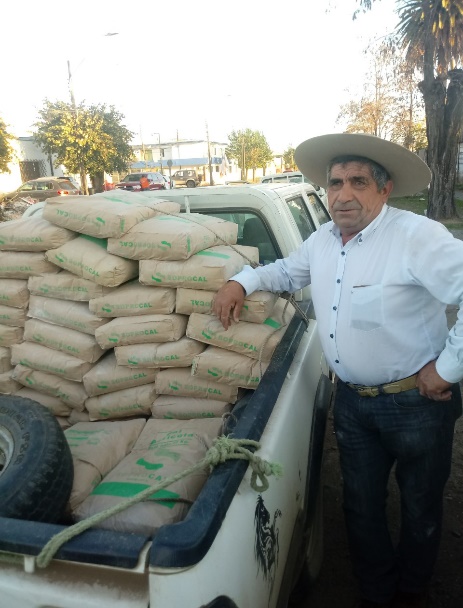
[353,197]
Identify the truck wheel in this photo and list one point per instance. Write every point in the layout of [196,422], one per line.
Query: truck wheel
[313,557]
[190,183]
[36,468]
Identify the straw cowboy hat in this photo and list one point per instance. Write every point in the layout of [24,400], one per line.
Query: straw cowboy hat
[408,172]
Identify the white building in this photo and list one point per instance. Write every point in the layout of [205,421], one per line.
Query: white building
[29,162]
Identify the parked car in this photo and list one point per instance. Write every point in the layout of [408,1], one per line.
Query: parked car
[73,181]
[42,188]
[132,181]
[187,177]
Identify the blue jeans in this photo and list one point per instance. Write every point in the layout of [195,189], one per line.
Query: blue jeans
[373,434]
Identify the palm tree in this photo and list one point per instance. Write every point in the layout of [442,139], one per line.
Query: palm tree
[431,32]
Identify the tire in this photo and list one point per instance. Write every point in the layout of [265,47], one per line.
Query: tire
[191,184]
[313,555]
[36,468]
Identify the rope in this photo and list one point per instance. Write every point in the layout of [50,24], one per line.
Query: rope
[223,449]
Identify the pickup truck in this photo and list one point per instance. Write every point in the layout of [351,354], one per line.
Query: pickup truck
[236,548]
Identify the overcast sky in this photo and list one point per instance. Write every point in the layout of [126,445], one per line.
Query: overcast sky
[283,68]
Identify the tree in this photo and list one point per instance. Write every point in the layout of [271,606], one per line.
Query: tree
[250,149]
[6,150]
[288,157]
[390,107]
[85,139]
[431,32]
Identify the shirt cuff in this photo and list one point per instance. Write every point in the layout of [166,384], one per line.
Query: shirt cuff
[248,278]
[446,368]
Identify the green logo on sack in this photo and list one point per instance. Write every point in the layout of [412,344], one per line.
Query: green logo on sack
[106,308]
[166,244]
[60,257]
[100,220]
[207,336]
[102,386]
[173,387]
[29,381]
[113,338]
[37,338]
[157,279]
[150,466]
[212,373]
[43,288]
[132,361]
[2,242]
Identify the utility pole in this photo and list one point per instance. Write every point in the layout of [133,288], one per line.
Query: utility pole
[211,179]
[82,172]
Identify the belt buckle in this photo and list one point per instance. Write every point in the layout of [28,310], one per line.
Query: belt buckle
[369,391]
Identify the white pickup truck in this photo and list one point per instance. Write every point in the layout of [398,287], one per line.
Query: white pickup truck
[236,548]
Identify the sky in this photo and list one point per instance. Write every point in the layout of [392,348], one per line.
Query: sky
[283,68]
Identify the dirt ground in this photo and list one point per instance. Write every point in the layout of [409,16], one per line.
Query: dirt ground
[336,587]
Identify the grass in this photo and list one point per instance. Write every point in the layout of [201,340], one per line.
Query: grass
[418,205]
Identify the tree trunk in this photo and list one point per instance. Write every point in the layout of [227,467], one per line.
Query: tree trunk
[98,182]
[83,181]
[444,115]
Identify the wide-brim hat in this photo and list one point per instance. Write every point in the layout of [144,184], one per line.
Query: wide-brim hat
[408,172]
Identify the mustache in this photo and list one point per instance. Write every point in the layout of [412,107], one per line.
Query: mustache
[350,206]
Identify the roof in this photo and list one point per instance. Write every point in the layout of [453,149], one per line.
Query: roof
[176,162]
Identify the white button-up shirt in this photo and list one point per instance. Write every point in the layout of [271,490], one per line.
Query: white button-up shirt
[380,299]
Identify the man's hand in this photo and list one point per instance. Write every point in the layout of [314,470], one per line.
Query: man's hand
[227,301]
[431,385]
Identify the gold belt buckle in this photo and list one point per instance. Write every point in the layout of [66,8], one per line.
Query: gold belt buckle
[368,391]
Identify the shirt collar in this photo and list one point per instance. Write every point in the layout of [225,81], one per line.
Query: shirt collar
[367,231]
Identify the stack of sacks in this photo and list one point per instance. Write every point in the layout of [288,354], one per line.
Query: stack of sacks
[96,448]
[180,250]
[60,346]
[240,355]
[164,448]
[98,218]
[23,243]
[62,327]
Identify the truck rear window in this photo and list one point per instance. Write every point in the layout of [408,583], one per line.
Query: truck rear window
[252,232]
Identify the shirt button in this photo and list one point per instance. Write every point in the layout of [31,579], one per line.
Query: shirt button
[335,308]
[343,253]
[338,281]
[331,335]
[360,240]
[336,360]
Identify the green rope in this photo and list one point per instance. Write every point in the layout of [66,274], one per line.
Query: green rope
[223,449]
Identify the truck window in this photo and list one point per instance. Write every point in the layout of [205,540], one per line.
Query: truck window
[302,218]
[318,209]
[252,232]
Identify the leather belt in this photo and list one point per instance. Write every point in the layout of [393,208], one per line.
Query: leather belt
[398,386]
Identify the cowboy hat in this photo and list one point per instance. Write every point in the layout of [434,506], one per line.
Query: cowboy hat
[408,172]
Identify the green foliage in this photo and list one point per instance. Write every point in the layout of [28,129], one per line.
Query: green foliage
[6,151]
[391,106]
[85,139]
[288,157]
[250,149]
[431,33]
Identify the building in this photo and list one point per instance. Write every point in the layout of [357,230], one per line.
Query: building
[29,162]
[168,157]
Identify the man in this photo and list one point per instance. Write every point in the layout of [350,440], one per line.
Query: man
[144,182]
[381,279]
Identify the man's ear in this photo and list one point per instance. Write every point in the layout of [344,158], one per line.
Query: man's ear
[388,189]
